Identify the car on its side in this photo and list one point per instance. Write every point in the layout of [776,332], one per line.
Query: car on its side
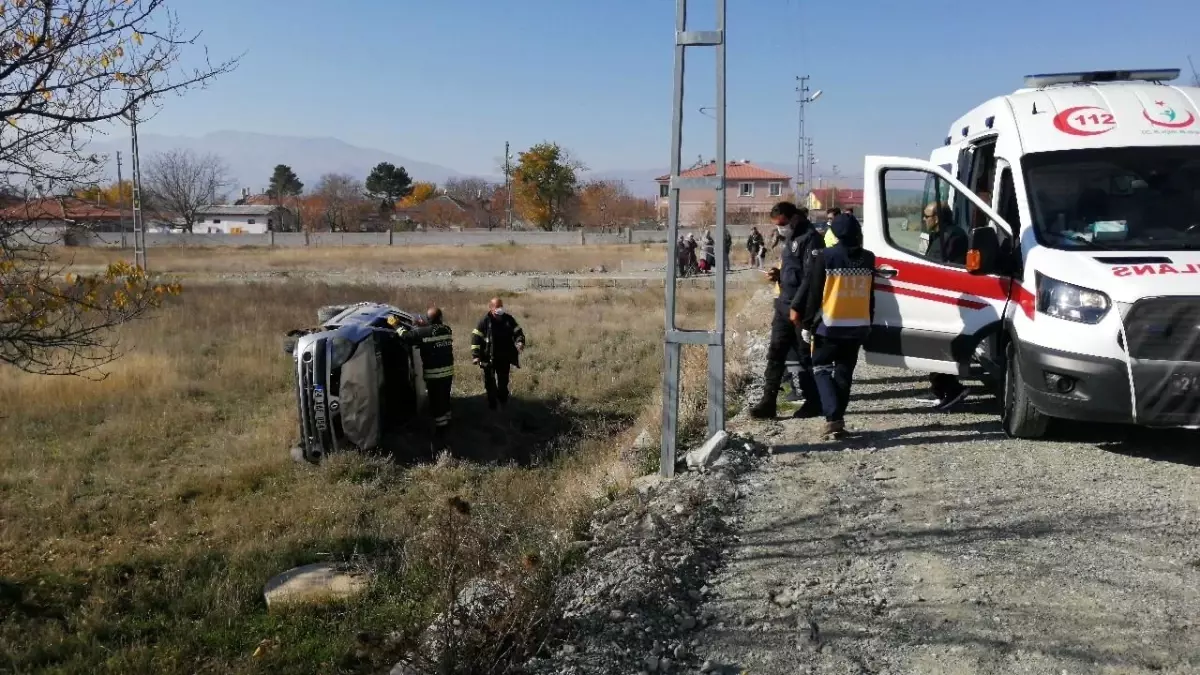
[356,381]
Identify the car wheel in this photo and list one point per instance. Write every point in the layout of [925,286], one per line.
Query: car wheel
[1020,418]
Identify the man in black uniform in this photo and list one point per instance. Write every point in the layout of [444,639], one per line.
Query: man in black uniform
[496,346]
[801,243]
[436,343]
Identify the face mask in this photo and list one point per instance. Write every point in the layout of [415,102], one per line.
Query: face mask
[784,231]
[499,311]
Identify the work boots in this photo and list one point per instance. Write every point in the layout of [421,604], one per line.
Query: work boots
[834,430]
[764,409]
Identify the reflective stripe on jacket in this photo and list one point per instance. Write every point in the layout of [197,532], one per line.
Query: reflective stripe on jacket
[436,344]
[496,339]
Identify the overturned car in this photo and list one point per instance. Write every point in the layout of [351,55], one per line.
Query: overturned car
[357,383]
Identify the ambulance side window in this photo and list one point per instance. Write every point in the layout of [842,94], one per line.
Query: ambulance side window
[1006,201]
[978,177]
[920,216]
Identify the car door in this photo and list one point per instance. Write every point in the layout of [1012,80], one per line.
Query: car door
[929,312]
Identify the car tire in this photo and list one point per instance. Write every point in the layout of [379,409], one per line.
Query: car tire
[1019,417]
[328,312]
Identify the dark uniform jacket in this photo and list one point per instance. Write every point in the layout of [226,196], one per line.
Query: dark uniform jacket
[495,340]
[947,245]
[799,251]
[436,343]
[837,299]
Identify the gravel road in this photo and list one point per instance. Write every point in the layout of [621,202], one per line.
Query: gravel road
[931,543]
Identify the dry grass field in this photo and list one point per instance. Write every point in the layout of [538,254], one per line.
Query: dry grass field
[540,259]
[141,514]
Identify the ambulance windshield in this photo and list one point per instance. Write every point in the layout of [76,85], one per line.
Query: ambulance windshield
[1131,198]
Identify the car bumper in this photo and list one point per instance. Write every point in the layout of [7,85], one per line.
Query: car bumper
[1099,386]
[1167,392]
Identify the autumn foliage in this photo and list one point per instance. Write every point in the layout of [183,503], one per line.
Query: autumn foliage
[609,204]
[67,66]
[545,183]
[113,195]
[421,192]
[55,324]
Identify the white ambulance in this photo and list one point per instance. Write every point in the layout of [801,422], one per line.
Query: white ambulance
[1051,248]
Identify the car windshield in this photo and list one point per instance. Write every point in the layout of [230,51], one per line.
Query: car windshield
[1139,198]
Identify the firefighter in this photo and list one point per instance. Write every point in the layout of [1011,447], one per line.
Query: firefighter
[435,341]
[496,346]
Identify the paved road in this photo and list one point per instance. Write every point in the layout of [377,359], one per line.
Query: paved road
[931,543]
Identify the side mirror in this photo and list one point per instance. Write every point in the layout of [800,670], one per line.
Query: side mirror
[983,251]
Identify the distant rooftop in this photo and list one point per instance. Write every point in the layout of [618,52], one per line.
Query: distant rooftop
[735,170]
[237,210]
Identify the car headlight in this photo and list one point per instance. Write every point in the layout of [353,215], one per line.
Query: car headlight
[340,351]
[1070,302]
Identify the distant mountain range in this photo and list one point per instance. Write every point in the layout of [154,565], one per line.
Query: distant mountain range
[252,157]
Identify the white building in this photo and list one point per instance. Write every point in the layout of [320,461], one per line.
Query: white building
[246,219]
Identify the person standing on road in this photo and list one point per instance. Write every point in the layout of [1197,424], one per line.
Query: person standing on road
[435,341]
[943,242]
[836,303]
[496,346]
[756,246]
[801,245]
[681,256]
[710,252]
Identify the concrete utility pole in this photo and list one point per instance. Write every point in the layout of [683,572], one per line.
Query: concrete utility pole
[804,143]
[801,177]
[674,337]
[139,223]
[507,188]
[121,201]
[812,159]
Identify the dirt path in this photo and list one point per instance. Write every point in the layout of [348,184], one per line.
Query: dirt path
[931,543]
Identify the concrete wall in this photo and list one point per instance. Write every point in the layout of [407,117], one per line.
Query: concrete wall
[469,238]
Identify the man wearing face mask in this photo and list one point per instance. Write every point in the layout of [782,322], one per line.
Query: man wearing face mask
[496,346]
[801,243]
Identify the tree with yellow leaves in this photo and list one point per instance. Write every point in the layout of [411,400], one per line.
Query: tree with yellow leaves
[66,67]
[421,193]
[113,194]
[544,184]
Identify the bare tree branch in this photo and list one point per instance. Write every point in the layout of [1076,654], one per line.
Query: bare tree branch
[66,66]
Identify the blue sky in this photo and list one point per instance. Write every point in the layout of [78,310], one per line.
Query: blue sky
[449,81]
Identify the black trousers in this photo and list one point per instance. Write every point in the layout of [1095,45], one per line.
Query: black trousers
[439,406]
[785,336]
[495,382]
[833,362]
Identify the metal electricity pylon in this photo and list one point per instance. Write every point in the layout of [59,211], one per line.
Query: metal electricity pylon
[675,338]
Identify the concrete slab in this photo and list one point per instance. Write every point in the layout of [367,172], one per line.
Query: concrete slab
[315,583]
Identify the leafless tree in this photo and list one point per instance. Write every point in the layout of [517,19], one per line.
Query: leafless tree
[180,181]
[67,69]
[343,197]
[469,189]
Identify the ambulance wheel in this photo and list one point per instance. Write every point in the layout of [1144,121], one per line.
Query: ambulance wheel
[1020,418]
